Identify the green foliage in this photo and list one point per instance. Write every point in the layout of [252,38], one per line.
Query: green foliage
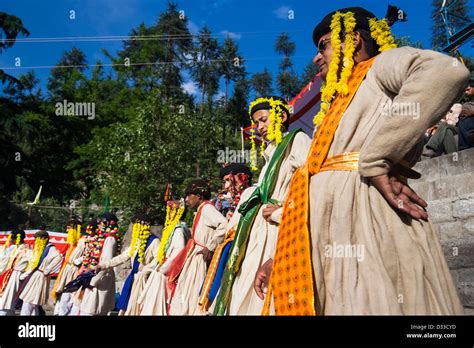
[287,81]
[262,83]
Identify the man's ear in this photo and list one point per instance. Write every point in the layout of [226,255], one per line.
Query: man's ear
[358,41]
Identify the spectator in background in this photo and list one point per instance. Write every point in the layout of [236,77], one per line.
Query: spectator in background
[443,140]
[466,120]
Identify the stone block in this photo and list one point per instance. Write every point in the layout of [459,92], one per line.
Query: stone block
[463,208]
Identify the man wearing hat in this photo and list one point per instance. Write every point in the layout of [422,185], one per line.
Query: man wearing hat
[236,180]
[257,231]
[354,238]
[100,298]
[187,273]
[45,260]
[69,269]
[141,253]
[236,177]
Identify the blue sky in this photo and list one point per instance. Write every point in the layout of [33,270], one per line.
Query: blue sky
[254,24]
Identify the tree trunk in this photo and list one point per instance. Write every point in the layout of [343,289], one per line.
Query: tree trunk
[225,94]
[202,97]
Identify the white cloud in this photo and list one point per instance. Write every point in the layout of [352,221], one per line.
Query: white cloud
[190,88]
[282,12]
[193,28]
[232,35]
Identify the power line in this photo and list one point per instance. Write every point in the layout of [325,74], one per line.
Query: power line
[139,64]
[164,37]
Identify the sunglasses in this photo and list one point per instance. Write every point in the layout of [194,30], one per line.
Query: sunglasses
[323,44]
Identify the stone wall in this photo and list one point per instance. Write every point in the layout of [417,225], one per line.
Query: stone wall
[447,184]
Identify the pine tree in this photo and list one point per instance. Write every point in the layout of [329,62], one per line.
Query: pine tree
[287,80]
[262,83]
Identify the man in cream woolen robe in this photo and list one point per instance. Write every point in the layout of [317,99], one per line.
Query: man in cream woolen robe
[399,267]
[19,258]
[67,274]
[100,298]
[140,277]
[153,299]
[208,231]
[36,291]
[263,236]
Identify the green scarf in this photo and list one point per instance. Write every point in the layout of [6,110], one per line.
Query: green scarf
[248,211]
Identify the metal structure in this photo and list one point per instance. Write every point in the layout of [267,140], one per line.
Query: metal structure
[455,38]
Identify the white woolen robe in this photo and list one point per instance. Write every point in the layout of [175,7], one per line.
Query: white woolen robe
[69,271]
[36,290]
[153,299]
[9,293]
[139,278]
[210,231]
[263,236]
[100,299]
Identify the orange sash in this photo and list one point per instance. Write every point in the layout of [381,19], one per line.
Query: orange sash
[5,276]
[65,262]
[178,263]
[211,272]
[291,283]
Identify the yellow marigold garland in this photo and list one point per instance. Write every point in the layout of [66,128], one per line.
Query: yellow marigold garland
[381,33]
[18,240]
[145,232]
[7,242]
[253,151]
[140,234]
[73,235]
[348,60]
[330,86]
[174,213]
[274,131]
[135,233]
[40,244]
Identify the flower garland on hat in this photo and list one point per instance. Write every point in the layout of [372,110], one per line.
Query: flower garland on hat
[380,32]
[18,240]
[274,131]
[140,233]
[95,242]
[7,242]
[73,234]
[174,212]
[40,244]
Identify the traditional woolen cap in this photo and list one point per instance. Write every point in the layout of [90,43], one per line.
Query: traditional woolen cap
[109,217]
[198,187]
[361,16]
[41,234]
[265,105]
[235,168]
[16,232]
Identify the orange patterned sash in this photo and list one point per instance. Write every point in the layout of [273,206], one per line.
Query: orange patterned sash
[291,283]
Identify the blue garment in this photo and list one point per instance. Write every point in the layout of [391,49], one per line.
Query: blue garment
[127,286]
[216,283]
[466,133]
[44,253]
